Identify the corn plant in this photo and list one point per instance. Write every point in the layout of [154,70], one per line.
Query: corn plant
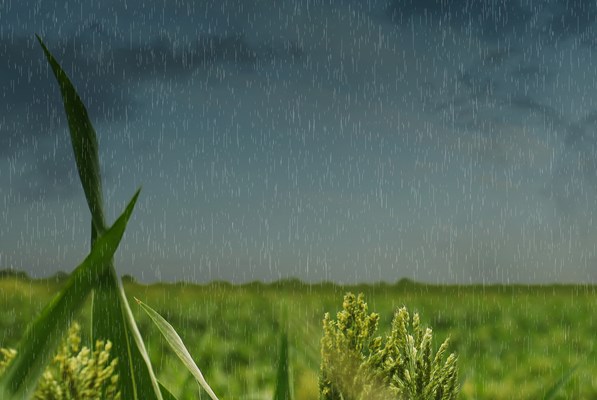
[356,364]
[95,276]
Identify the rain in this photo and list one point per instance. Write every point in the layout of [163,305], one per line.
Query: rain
[395,147]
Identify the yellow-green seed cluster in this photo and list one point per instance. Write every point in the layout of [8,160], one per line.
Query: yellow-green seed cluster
[76,372]
[357,365]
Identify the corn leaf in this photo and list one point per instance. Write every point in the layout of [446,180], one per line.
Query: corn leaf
[83,139]
[43,335]
[177,345]
[283,380]
[111,315]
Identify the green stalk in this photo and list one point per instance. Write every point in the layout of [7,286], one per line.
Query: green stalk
[283,379]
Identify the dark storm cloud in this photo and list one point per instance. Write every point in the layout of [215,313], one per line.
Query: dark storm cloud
[345,126]
[583,134]
[531,72]
[491,20]
[572,184]
[528,105]
[104,72]
[23,90]
[160,58]
[577,136]
[32,113]
[30,89]
[570,18]
[550,22]
[50,177]
[505,83]
[482,89]
[581,142]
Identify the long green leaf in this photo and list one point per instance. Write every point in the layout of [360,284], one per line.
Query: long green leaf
[111,315]
[283,380]
[42,336]
[178,346]
[83,139]
[558,385]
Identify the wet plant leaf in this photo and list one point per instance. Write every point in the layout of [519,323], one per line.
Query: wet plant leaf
[111,314]
[176,344]
[43,335]
[283,379]
[83,139]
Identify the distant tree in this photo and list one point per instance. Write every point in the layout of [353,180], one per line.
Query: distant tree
[59,277]
[14,273]
[128,279]
[406,282]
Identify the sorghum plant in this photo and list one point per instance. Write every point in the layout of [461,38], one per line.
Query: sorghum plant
[76,372]
[355,364]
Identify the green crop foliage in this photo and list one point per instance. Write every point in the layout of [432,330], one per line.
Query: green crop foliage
[176,344]
[75,372]
[512,342]
[356,364]
[111,316]
[284,389]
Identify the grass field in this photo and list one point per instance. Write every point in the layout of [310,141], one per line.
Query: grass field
[512,341]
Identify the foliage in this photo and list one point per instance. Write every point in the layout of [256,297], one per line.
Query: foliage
[111,315]
[355,364]
[176,344]
[76,372]
[502,334]
[13,273]
[284,389]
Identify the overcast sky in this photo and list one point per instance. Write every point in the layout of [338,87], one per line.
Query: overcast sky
[326,140]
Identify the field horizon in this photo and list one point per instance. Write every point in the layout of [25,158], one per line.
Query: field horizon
[62,276]
[513,341]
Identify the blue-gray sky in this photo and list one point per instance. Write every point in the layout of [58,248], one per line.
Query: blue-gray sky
[332,140]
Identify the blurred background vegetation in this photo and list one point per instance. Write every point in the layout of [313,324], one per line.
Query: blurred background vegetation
[512,341]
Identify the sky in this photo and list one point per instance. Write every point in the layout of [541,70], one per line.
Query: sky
[346,141]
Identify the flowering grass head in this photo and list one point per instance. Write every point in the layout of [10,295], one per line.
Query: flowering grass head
[356,364]
[76,372]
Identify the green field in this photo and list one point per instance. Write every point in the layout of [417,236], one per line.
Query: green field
[512,341]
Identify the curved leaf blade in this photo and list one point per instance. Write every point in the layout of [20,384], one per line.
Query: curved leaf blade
[178,346]
[83,139]
[43,335]
[283,380]
[112,317]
